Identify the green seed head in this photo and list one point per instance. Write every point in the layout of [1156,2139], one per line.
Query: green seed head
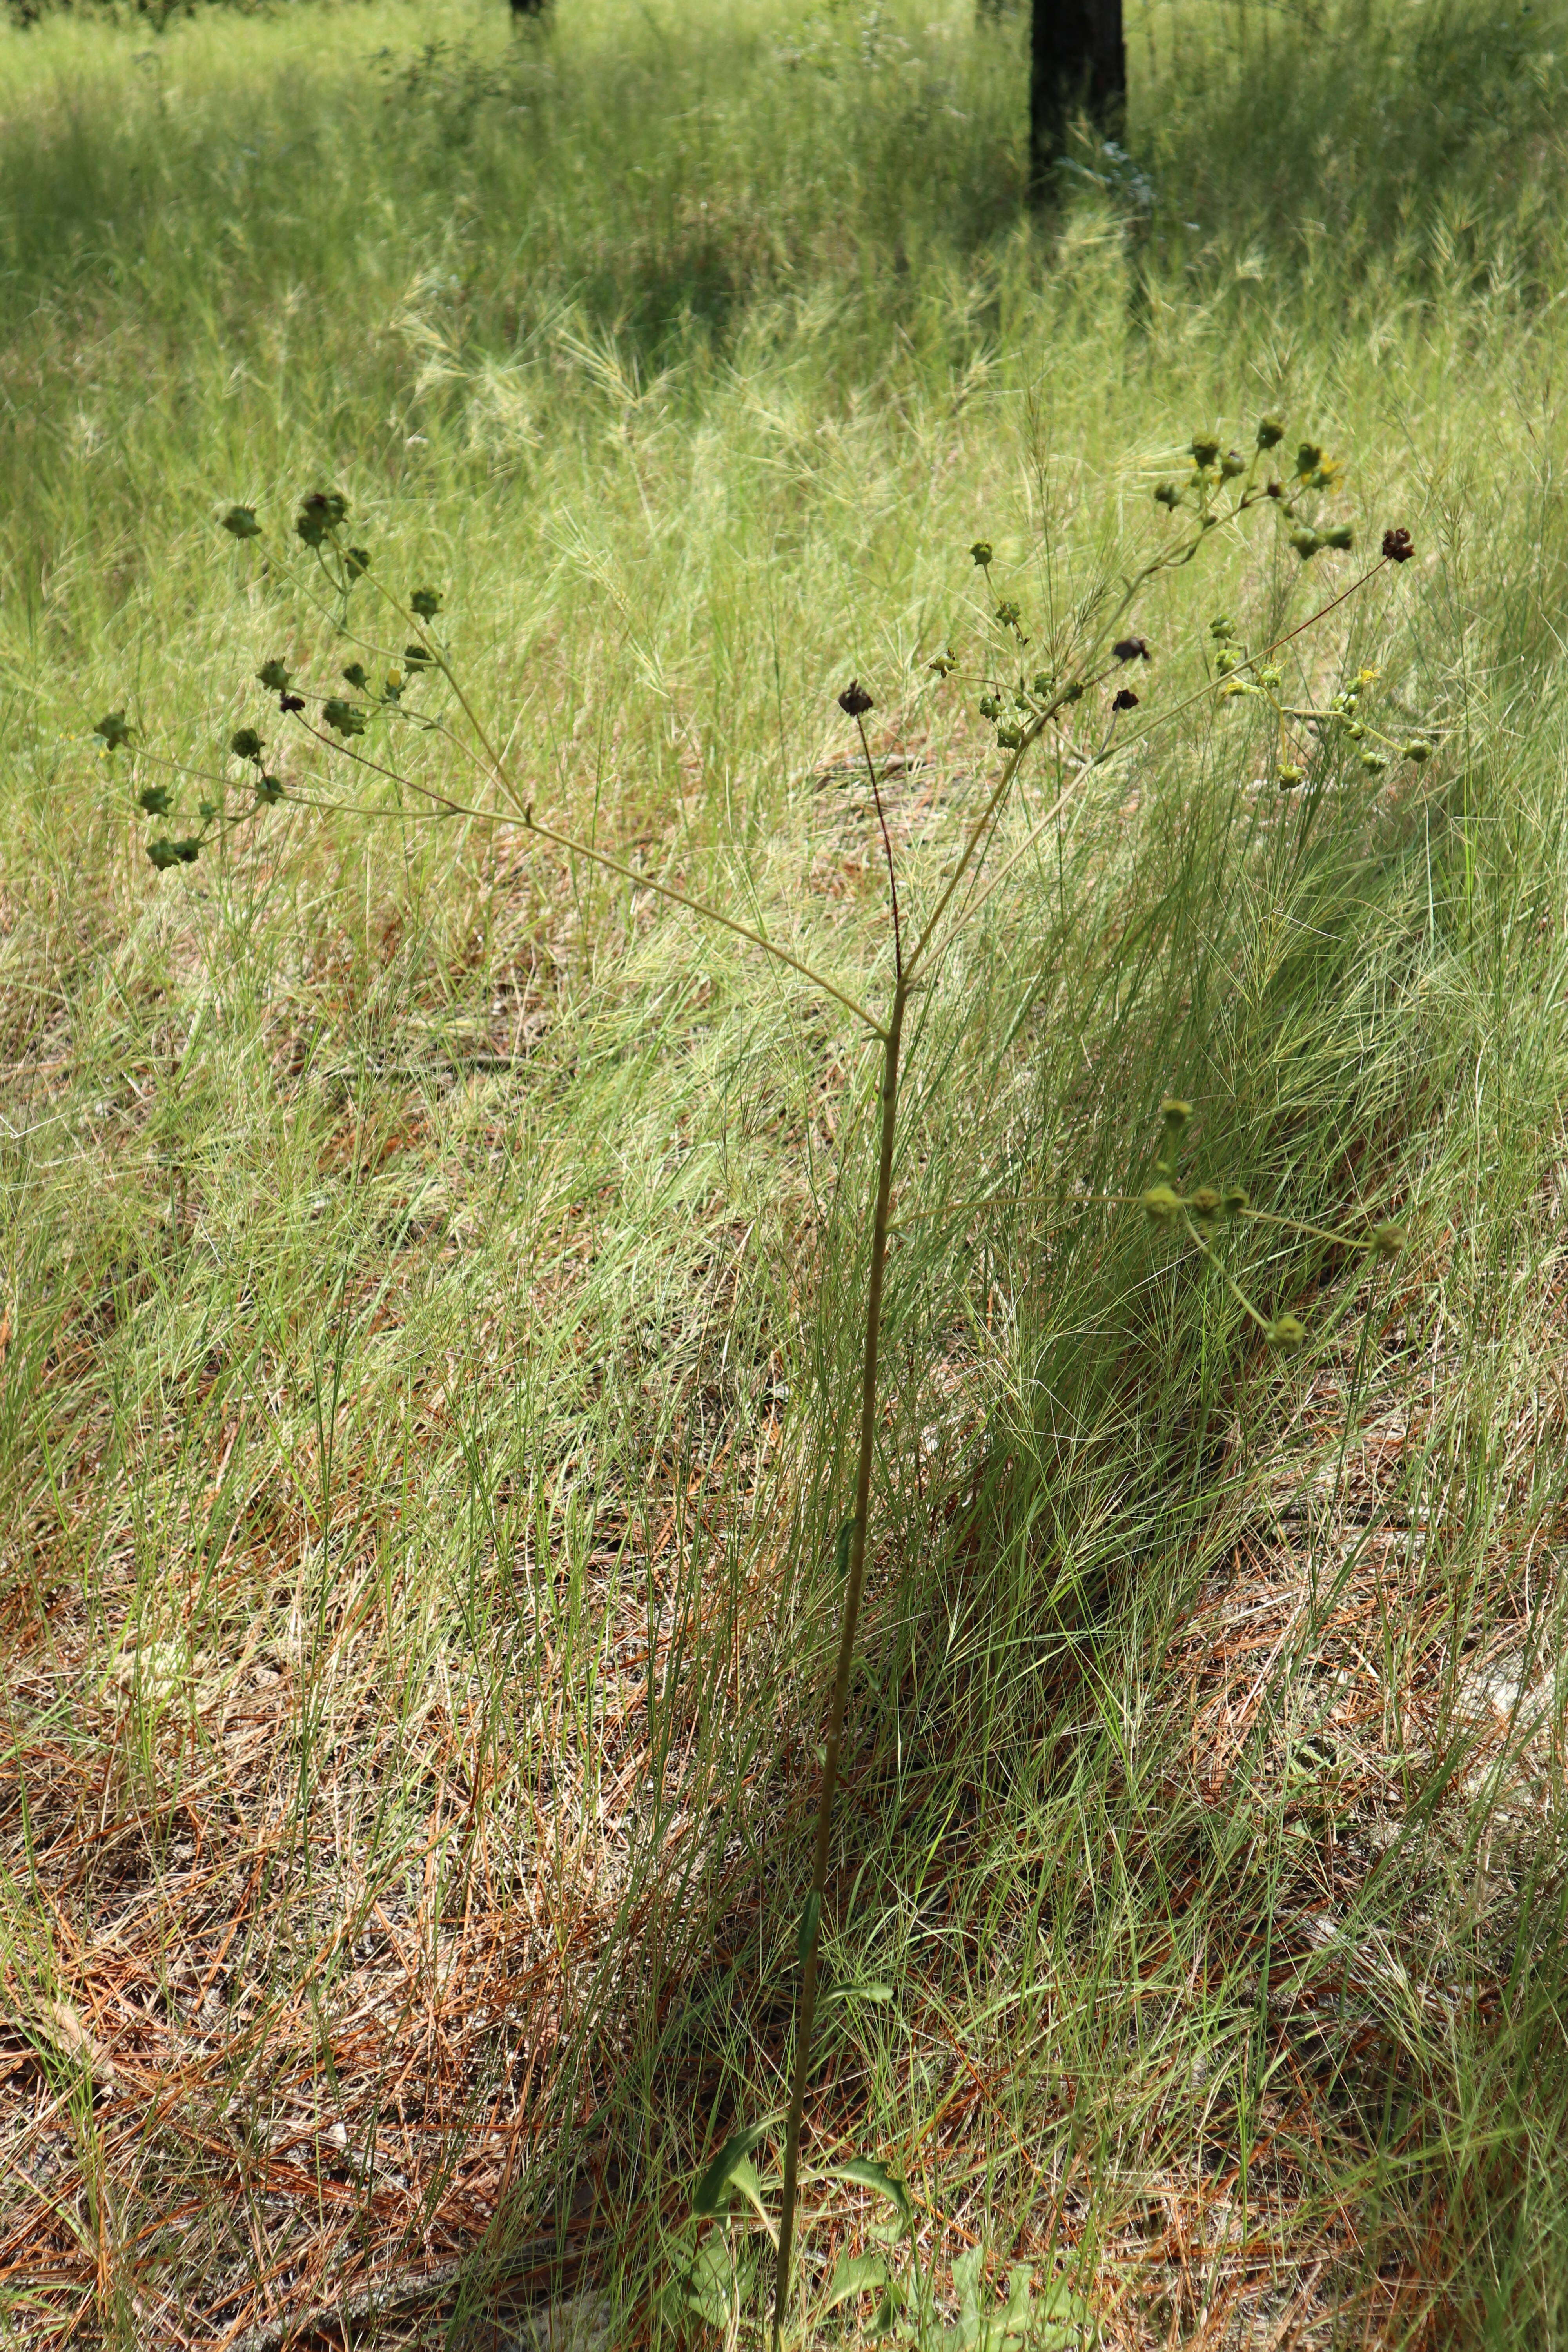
[163,853]
[1205,450]
[241,523]
[342,718]
[244,743]
[1419,749]
[1174,1111]
[1285,1332]
[274,677]
[269,790]
[112,731]
[319,516]
[1373,762]
[1270,432]
[980,552]
[1305,542]
[154,800]
[1342,536]
[1309,457]
[1159,1204]
[425,602]
[991,706]
[1234,1201]
[1388,1240]
[1010,738]
[1222,629]
[1291,776]
[1206,1204]
[1232,464]
[188,850]
[355,674]
[1166,494]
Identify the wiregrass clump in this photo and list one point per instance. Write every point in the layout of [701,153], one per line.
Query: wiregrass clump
[1037,682]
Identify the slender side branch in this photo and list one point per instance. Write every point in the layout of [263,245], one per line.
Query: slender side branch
[1022,852]
[1236,1291]
[886,848]
[410,783]
[1042,720]
[1252,661]
[598,857]
[566,841]
[697,906]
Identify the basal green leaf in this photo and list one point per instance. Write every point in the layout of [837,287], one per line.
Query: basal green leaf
[723,2179]
[856,2275]
[868,2174]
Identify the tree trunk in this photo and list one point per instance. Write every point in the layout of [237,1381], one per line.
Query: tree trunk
[1076,59]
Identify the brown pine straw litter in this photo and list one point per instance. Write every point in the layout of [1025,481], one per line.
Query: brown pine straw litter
[364,2126]
[326,2135]
[267,2063]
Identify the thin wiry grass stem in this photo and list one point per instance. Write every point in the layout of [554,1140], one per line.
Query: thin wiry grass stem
[886,847]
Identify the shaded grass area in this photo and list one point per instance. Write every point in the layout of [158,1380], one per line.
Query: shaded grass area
[430,1273]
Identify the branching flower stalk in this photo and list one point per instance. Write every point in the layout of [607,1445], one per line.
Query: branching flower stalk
[1221,488]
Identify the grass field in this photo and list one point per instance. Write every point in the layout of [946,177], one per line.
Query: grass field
[429,1267]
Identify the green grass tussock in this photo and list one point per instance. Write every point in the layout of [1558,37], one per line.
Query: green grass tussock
[429,1269]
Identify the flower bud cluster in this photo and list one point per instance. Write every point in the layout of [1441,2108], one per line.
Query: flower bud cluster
[1204,1207]
[318,525]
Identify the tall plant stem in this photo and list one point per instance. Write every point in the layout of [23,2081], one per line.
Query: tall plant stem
[812,1921]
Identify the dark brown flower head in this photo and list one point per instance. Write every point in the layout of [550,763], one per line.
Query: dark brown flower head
[290,702]
[1397,546]
[1131,649]
[855,699]
[1125,700]
[318,514]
